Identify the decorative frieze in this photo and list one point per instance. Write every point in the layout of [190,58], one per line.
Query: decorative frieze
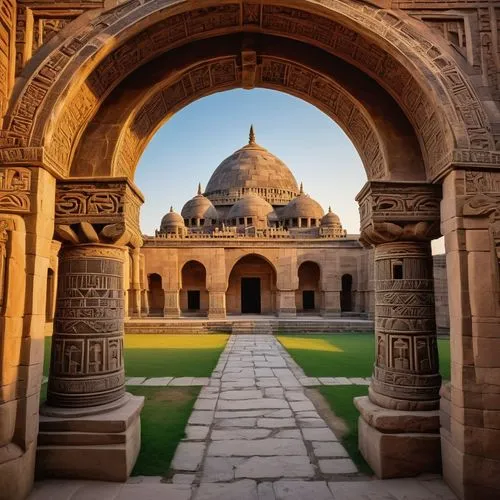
[15,189]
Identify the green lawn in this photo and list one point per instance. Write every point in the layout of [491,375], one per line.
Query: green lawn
[163,419]
[175,355]
[345,355]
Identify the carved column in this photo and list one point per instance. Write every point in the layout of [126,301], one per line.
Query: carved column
[470,405]
[286,303]
[331,304]
[87,345]
[399,422]
[216,304]
[171,308]
[95,222]
[144,288]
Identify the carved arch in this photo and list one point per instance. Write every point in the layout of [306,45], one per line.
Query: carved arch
[55,102]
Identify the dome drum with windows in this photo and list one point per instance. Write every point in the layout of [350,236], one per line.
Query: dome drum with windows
[252,188]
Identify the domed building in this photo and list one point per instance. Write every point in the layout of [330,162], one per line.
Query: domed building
[253,242]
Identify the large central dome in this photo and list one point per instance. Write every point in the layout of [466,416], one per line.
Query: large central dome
[252,169]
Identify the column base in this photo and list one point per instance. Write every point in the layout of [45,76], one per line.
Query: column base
[287,313]
[331,314]
[398,443]
[100,446]
[171,313]
[217,314]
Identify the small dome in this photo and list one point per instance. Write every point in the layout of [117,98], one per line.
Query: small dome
[199,207]
[303,206]
[171,220]
[330,219]
[251,205]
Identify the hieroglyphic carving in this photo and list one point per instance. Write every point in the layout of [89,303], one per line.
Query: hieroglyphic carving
[394,211]
[423,113]
[112,207]
[406,374]
[15,187]
[87,347]
[203,78]
[482,199]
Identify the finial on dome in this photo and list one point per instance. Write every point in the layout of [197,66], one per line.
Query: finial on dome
[301,188]
[199,188]
[251,136]
[171,209]
[330,209]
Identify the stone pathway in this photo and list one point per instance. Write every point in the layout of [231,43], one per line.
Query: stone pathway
[255,435]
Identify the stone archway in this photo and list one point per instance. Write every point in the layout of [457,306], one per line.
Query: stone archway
[193,293]
[308,296]
[73,92]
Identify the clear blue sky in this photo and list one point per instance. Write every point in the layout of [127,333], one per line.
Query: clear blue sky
[189,147]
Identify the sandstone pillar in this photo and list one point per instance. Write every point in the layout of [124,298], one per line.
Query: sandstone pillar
[399,422]
[331,304]
[172,308]
[286,303]
[144,288]
[216,304]
[470,407]
[89,427]
[135,291]
[26,232]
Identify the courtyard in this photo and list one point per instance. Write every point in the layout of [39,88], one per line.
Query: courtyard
[251,416]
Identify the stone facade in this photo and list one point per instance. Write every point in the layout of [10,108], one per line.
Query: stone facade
[414,84]
[254,222]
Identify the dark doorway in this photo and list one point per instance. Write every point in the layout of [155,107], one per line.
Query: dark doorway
[308,300]
[194,300]
[346,293]
[250,295]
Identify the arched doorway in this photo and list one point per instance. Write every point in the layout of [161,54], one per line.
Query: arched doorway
[156,295]
[80,110]
[308,295]
[194,294]
[346,293]
[251,287]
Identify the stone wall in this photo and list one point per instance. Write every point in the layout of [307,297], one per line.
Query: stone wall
[441,294]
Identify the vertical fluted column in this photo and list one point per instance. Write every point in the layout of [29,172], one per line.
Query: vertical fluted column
[135,292]
[406,373]
[87,345]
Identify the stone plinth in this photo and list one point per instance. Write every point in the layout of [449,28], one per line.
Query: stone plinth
[90,444]
[398,443]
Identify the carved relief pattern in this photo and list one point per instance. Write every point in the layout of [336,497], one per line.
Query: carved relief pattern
[15,187]
[391,212]
[482,190]
[87,347]
[113,207]
[273,73]
[406,374]
[339,39]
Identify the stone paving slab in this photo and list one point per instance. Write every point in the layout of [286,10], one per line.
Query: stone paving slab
[254,434]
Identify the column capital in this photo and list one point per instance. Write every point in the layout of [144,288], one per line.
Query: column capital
[399,211]
[98,211]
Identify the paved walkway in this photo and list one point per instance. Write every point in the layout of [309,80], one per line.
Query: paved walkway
[254,434]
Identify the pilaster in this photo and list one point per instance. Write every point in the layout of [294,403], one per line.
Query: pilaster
[216,304]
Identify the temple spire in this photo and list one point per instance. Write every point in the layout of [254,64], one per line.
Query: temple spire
[251,136]
[330,209]
[171,209]
[301,188]
[199,187]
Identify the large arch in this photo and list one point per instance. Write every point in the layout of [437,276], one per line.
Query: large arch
[80,70]
[67,90]
[193,288]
